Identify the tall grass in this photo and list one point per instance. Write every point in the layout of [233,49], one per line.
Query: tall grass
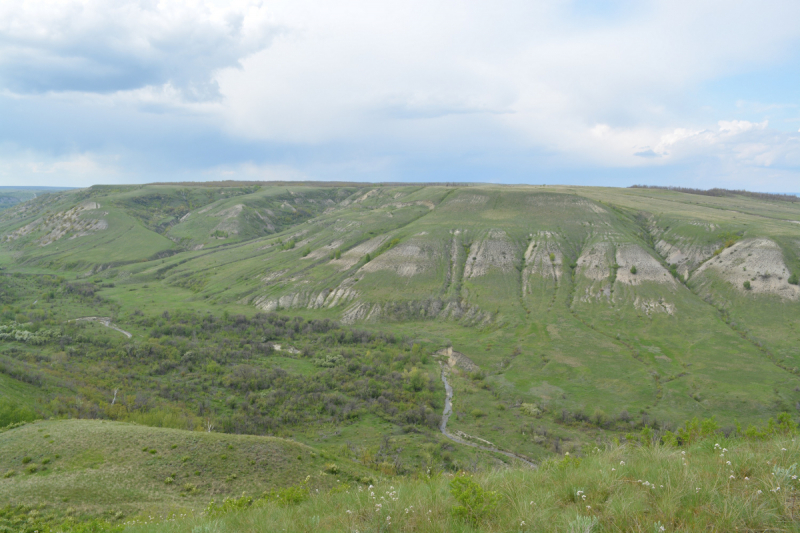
[714,485]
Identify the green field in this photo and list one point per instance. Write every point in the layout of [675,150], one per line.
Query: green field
[315,312]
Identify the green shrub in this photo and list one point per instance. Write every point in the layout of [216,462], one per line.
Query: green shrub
[583,524]
[13,413]
[475,504]
[747,285]
[633,269]
[793,279]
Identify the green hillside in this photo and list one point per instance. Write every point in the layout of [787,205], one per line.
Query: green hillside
[115,470]
[326,313]
[714,484]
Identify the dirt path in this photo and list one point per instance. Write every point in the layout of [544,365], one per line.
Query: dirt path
[106,321]
[461,436]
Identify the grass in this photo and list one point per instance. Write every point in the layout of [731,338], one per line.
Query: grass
[585,352]
[618,488]
[101,468]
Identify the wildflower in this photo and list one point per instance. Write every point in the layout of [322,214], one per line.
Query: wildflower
[758,492]
[683,452]
[794,477]
[531,503]
[728,463]
[349,511]
[746,478]
[588,507]
[731,477]
[613,469]
[522,524]
[783,449]
[724,449]
[622,463]
[662,528]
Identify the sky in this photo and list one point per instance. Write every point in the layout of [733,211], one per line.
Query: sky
[695,93]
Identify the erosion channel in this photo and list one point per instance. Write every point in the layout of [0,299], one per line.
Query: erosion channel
[461,437]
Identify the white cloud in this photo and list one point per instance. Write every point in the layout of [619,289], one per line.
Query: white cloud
[101,46]
[362,87]
[81,169]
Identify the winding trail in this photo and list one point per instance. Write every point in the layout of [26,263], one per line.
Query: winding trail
[461,437]
[106,321]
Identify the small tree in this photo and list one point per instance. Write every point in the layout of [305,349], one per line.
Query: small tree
[633,269]
[793,279]
[747,285]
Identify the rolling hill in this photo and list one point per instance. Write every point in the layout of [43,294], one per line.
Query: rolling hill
[574,313]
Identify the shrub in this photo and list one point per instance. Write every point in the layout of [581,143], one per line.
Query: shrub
[477,413]
[530,409]
[747,285]
[27,459]
[633,269]
[794,280]
[13,413]
[583,524]
[475,504]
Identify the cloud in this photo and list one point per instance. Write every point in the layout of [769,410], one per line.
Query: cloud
[400,90]
[100,47]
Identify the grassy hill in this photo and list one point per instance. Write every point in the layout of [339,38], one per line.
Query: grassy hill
[565,316]
[113,470]
[716,484]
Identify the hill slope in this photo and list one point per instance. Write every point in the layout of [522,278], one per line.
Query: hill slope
[104,468]
[599,309]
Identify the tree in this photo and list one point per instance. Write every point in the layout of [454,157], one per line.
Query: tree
[747,285]
[633,269]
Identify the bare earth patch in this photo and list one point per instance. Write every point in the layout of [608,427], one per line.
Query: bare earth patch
[757,261]
[647,267]
[495,251]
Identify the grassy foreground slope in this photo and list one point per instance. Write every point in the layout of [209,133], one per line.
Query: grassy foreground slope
[716,484]
[113,469]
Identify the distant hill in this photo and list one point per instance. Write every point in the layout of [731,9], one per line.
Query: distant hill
[11,196]
[576,312]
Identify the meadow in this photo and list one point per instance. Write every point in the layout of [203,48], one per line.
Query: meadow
[580,319]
